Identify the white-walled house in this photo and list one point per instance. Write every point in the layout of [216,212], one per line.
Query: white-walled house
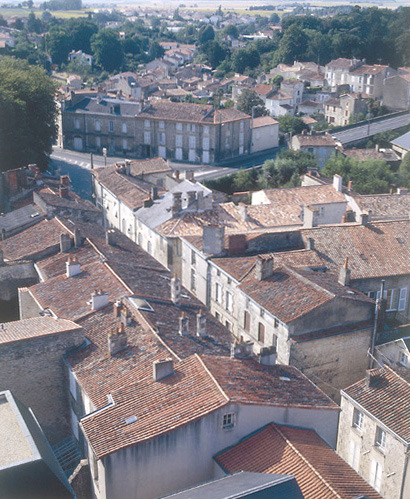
[265,134]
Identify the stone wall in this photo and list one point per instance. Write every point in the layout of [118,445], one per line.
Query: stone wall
[33,370]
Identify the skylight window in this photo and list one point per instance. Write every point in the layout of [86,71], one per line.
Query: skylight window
[131,419]
[141,304]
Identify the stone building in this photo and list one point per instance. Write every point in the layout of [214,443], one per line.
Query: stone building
[339,112]
[194,133]
[321,145]
[374,433]
[396,92]
[32,367]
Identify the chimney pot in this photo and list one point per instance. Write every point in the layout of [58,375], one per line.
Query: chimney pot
[364,218]
[162,369]
[176,202]
[117,340]
[349,185]
[344,275]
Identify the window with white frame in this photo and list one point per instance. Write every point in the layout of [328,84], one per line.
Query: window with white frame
[402,299]
[179,126]
[375,478]
[228,325]
[147,138]
[124,144]
[178,140]
[403,359]
[161,138]
[161,125]
[229,303]
[124,128]
[228,421]
[354,454]
[358,419]
[98,141]
[97,126]
[218,292]
[77,124]
[111,126]
[206,130]
[192,142]
[193,257]
[380,440]
[147,123]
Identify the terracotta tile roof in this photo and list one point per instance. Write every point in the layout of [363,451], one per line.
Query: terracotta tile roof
[340,63]
[364,154]
[27,244]
[99,373]
[245,381]
[33,328]
[199,386]
[197,113]
[385,205]
[292,293]
[150,165]
[67,297]
[319,471]
[72,200]
[365,246]
[264,121]
[263,89]
[312,194]
[239,266]
[315,140]
[387,399]
[366,69]
[159,406]
[132,191]
[165,320]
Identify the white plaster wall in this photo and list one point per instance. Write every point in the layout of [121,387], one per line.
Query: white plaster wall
[184,457]
[265,137]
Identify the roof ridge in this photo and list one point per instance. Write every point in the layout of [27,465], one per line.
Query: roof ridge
[305,460]
[306,280]
[212,377]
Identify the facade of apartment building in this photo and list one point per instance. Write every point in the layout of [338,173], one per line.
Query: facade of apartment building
[193,133]
[396,92]
[374,431]
[340,112]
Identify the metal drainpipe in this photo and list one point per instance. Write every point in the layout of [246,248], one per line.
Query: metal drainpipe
[376,320]
[406,463]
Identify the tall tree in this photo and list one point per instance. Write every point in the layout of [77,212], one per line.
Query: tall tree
[27,114]
[107,50]
[248,100]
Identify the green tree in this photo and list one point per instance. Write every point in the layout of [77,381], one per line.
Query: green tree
[59,45]
[248,100]
[291,124]
[206,34]
[107,50]
[372,176]
[231,30]
[215,53]
[404,171]
[82,30]
[155,50]
[27,114]
[293,45]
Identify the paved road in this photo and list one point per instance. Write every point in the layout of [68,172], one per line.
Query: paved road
[368,130]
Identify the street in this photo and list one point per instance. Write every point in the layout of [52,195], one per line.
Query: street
[78,166]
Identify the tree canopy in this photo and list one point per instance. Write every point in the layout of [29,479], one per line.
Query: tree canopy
[248,100]
[27,114]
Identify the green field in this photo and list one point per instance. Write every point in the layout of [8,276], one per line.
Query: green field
[58,13]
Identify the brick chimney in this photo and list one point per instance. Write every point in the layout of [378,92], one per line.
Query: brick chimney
[98,300]
[117,340]
[183,325]
[154,193]
[213,238]
[117,308]
[201,324]
[175,290]
[65,243]
[263,267]
[176,202]
[349,185]
[64,190]
[372,377]
[344,274]
[126,317]
[162,369]
[72,267]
